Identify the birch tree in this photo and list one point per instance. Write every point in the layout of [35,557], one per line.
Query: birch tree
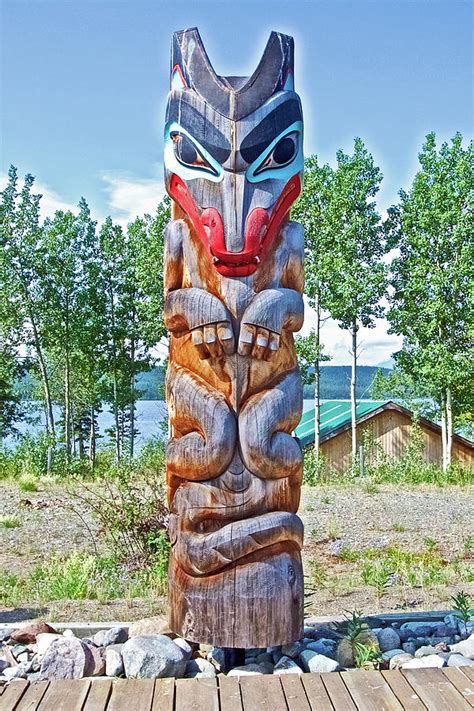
[432,302]
[310,210]
[358,275]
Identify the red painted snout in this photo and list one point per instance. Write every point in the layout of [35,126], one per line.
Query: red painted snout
[260,228]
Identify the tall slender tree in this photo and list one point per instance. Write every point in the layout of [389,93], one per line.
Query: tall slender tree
[358,274]
[311,210]
[432,302]
[23,263]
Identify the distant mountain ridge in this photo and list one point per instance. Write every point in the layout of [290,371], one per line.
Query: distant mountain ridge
[335,382]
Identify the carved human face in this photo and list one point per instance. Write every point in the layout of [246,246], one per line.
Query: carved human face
[234,179]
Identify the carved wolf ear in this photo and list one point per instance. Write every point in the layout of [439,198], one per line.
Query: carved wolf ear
[177,80]
[274,73]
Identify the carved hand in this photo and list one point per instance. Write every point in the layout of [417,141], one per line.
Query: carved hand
[270,312]
[205,316]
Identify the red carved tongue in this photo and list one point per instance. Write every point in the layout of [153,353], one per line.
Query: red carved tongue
[255,228]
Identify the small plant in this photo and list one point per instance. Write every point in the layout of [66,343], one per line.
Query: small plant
[367,656]
[468,544]
[398,528]
[326,499]
[9,522]
[318,575]
[375,574]
[430,544]
[462,607]
[370,487]
[333,529]
[27,484]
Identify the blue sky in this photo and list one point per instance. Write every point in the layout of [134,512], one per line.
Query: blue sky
[84,87]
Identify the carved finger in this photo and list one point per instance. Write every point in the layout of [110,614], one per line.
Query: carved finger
[273,344]
[261,343]
[226,337]
[211,340]
[246,340]
[198,342]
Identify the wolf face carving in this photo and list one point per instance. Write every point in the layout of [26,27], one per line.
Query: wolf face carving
[233,282]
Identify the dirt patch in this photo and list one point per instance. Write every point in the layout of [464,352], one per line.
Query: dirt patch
[355,518]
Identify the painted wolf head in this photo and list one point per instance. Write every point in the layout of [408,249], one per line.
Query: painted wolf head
[233,150]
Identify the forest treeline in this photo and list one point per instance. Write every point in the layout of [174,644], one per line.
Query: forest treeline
[81,304]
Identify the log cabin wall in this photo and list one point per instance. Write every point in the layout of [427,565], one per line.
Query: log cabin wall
[390,431]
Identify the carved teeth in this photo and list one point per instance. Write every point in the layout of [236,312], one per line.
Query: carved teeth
[257,260]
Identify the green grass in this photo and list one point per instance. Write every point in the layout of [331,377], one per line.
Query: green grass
[81,577]
[28,484]
[398,528]
[9,522]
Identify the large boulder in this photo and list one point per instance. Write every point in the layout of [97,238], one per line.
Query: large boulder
[28,634]
[314,662]
[432,660]
[66,658]
[466,647]
[153,657]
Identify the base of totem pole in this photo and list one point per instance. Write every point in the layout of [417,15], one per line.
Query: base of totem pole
[256,604]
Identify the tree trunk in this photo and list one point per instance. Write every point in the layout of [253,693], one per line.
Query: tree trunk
[353,392]
[449,427]
[132,398]
[444,440]
[317,381]
[92,439]
[67,410]
[50,428]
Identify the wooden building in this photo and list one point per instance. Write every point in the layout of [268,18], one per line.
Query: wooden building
[389,426]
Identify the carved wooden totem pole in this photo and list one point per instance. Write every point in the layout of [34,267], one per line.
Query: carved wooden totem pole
[233,281]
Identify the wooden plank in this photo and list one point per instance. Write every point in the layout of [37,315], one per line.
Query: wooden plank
[407,696]
[137,693]
[337,692]
[316,692]
[263,693]
[464,685]
[163,695]
[12,694]
[435,690]
[32,697]
[65,695]
[370,691]
[468,671]
[98,695]
[229,693]
[295,694]
[196,695]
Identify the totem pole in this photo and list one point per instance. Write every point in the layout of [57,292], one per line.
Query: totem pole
[233,283]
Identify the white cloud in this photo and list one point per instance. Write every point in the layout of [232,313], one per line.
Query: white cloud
[50,200]
[376,345]
[129,196]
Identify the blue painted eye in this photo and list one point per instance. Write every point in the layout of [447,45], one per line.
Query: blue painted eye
[187,153]
[282,154]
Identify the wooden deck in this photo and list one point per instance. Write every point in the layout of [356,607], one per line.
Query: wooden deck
[447,689]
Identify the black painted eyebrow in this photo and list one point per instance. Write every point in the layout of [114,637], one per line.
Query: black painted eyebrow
[273,124]
[200,128]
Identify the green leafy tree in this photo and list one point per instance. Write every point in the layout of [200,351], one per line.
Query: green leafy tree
[23,274]
[358,274]
[432,277]
[311,210]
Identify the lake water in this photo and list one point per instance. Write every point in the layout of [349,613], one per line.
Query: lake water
[151,418]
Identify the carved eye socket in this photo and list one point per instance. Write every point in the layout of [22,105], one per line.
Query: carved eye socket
[284,152]
[188,153]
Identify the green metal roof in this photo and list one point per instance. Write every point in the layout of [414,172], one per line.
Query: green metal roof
[334,414]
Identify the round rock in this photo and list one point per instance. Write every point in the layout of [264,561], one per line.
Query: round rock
[153,657]
[388,639]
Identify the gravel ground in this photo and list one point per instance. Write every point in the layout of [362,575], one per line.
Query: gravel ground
[362,517]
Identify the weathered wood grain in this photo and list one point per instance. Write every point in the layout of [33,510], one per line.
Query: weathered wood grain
[233,299]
